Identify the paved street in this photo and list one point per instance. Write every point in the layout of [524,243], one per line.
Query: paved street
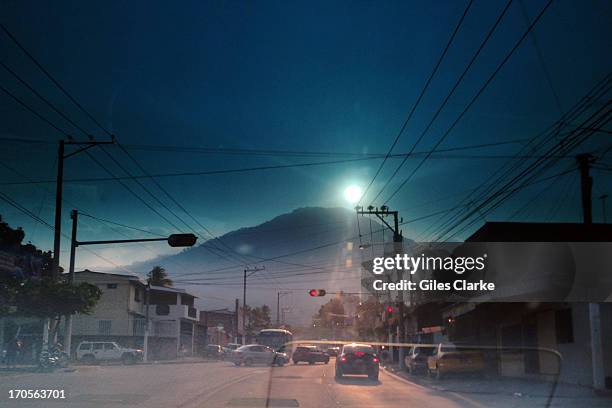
[220,384]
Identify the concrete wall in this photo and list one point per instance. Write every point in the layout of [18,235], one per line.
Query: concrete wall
[576,366]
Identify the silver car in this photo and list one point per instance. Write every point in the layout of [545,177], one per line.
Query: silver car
[258,354]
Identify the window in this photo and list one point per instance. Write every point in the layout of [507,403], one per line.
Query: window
[136,295]
[162,310]
[109,346]
[564,326]
[111,286]
[98,346]
[104,327]
[86,346]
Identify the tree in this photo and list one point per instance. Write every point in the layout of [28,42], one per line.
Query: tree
[258,319]
[159,277]
[368,317]
[331,313]
[27,287]
[46,297]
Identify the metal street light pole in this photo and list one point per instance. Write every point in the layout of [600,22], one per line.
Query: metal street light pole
[174,240]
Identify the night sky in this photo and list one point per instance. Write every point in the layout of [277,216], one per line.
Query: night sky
[300,76]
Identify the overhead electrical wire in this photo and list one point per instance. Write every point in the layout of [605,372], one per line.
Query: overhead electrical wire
[448,96]
[475,97]
[419,98]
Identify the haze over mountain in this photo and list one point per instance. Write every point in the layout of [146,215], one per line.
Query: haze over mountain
[310,247]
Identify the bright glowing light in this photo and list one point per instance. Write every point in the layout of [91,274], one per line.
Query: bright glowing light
[352,194]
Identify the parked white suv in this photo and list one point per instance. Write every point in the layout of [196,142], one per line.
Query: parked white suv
[92,351]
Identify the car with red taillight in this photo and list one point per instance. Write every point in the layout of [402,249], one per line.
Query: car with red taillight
[358,359]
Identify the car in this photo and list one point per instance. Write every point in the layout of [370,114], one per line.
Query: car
[416,359]
[229,348]
[447,358]
[358,359]
[258,354]
[333,351]
[310,355]
[213,351]
[91,351]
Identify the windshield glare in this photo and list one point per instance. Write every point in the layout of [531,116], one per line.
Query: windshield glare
[304,204]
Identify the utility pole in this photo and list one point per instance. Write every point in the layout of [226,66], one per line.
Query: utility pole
[59,191]
[603,198]
[57,236]
[174,240]
[236,320]
[586,185]
[398,239]
[247,272]
[145,341]
[59,187]
[74,214]
[278,296]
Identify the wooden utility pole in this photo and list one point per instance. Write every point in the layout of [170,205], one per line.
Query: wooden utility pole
[586,185]
[398,239]
[247,272]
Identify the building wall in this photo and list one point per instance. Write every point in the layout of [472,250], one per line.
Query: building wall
[606,335]
[576,366]
[115,312]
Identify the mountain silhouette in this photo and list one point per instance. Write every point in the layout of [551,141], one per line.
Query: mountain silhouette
[312,247]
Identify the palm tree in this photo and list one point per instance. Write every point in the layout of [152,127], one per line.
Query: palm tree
[159,277]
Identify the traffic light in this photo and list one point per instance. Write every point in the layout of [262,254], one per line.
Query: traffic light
[316,292]
[389,312]
[182,240]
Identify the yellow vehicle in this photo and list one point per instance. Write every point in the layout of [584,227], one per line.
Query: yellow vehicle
[449,358]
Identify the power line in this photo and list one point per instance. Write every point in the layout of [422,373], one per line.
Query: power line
[420,97]
[50,77]
[475,98]
[504,193]
[546,135]
[52,106]
[449,94]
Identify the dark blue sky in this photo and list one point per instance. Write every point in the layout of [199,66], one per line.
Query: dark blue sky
[333,76]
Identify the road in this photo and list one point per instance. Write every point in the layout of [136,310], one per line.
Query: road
[220,384]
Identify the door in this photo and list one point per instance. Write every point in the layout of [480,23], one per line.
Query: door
[111,352]
[98,351]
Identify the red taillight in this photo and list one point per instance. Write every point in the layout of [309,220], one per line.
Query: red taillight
[359,353]
[342,358]
[375,359]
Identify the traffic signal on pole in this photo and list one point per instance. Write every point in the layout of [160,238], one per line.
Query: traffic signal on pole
[316,292]
[182,240]
[389,312]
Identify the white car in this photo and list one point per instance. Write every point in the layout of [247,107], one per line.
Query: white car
[256,353]
[92,351]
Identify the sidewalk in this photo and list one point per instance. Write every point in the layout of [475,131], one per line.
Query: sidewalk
[562,393]
[74,366]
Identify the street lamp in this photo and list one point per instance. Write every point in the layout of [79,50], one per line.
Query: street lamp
[174,240]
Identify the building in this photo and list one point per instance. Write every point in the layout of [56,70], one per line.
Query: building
[558,300]
[216,327]
[121,312]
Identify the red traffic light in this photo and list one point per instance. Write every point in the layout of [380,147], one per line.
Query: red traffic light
[389,312]
[316,292]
